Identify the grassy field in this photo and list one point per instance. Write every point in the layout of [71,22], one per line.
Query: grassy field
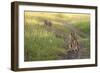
[50,42]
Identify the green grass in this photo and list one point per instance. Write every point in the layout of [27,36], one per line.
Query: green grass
[47,43]
[40,44]
[83,26]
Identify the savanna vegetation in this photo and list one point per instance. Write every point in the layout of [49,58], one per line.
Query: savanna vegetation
[46,35]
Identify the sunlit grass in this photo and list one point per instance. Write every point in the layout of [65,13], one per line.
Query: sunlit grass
[42,44]
[47,43]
